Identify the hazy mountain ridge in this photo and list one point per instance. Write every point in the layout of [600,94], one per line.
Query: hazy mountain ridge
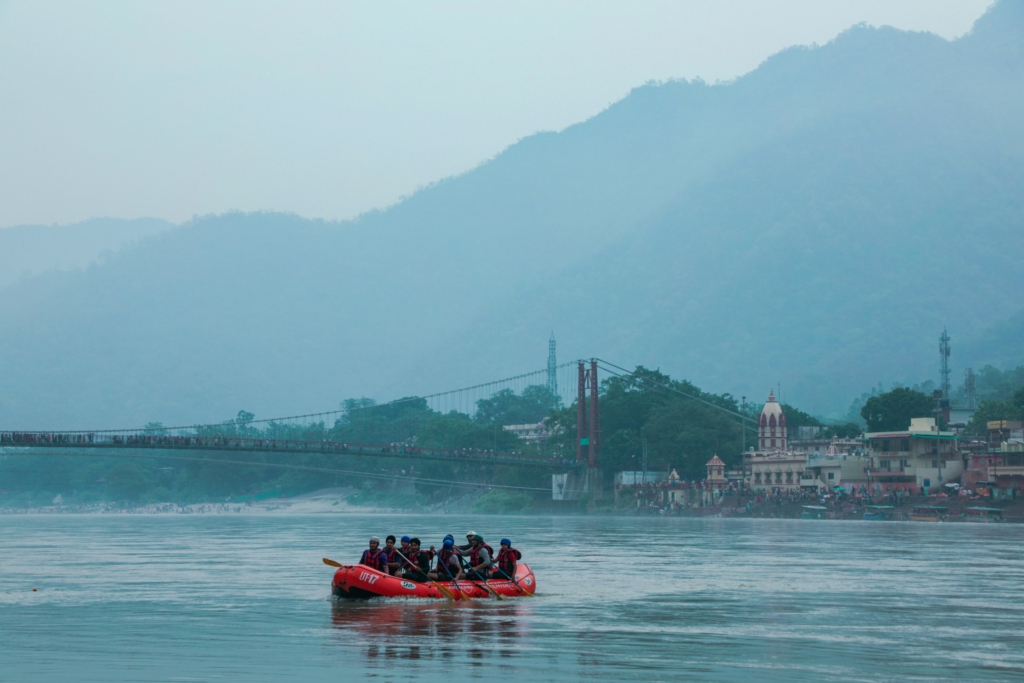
[815,222]
[27,250]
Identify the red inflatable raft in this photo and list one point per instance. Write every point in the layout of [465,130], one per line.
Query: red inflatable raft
[360,581]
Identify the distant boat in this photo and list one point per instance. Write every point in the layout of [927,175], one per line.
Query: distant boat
[878,512]
[813,512]
[980,514]
[926,513]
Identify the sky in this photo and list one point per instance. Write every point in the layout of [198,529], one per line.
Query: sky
[330,109]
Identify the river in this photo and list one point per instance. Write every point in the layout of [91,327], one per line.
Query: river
[237,597]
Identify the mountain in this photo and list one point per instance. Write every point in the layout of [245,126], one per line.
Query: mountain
[27,250]
[814,223]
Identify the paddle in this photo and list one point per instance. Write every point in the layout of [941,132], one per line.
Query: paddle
[331,563]
[449,573]
[484,581]
[444,591]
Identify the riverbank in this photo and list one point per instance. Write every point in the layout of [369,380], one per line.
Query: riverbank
[852,508]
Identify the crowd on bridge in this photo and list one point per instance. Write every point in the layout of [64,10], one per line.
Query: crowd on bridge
[219,442]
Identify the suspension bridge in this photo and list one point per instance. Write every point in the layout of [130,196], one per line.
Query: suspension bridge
[575,382]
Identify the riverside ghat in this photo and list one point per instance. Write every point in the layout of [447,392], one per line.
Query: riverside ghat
[881,476]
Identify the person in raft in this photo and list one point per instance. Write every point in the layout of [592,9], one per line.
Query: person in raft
[405,546]
[394,561]
[508,558]
[418,565]
[448,565]
[479,558]
[374,557]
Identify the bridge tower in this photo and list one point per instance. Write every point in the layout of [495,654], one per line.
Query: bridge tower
[588,480]
[588,419]
[552,367]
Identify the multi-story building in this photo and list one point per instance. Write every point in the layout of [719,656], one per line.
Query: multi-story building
[920,459]
[999,469]
[844,467]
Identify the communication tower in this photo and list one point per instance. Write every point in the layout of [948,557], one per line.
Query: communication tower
[552,367]
[972,401]
[944,360]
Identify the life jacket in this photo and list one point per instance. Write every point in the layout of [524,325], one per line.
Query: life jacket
[507,559]
[377,560]
[474,554]
[444,563]
[418,561]
[392,555]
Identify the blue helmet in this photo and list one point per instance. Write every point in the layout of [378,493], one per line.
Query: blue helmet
[448,544]
[507,542]
[405,539]
[451,538]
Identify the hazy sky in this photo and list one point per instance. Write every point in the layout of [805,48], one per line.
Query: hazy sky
[329,109]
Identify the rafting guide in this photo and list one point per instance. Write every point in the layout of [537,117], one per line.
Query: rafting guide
[454,572]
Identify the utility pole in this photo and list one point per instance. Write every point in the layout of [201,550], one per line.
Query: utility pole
[743,423]
[644,480]
[938,430]
[552,367]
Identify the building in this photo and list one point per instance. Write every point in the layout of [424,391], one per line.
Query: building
[771,428]
[772,465]
[837,466]
[998,470]
[920,459]
[716,473]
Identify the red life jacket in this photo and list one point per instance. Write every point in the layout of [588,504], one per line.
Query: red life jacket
[377,560]
[418,561]
[507,558]
[444,563]
[474,554]
[392,555]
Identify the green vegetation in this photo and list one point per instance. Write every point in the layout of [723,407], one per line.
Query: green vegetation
[503,503]
[1012,409]
[893,410]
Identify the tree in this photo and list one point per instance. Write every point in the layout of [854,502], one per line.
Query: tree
[990,411]
[507,408]
[127,481]
[893,410]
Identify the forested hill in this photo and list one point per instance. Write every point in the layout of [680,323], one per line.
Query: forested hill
[815,222]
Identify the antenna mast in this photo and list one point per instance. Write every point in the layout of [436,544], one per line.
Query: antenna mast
[944,359]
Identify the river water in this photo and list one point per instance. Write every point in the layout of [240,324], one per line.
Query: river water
[236,597]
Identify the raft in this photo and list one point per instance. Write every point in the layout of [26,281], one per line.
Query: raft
[356,581]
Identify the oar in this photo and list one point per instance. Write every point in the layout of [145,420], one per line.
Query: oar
[515,582]
[491,590]
[331,563]
[447,593]
[449,573]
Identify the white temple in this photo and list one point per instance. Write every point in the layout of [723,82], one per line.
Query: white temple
[771,429]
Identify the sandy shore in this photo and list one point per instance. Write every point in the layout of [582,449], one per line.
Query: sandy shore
[324,501]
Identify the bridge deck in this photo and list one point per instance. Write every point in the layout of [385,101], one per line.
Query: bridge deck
[20,441]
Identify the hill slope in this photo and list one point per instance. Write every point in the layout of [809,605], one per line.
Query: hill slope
[815,222]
